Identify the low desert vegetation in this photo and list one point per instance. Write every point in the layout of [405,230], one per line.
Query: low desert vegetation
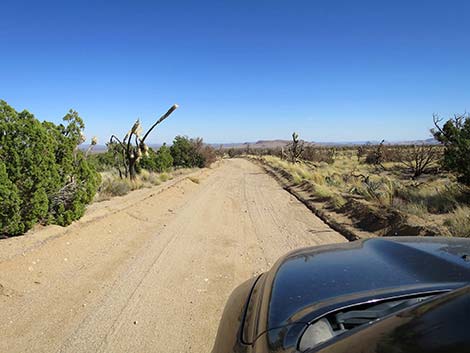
[152,168]
[428,184]
[45,178]
[112,185]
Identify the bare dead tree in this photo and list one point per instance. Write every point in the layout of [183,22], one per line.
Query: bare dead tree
[458,121]
[295,148]
[419,158]
[132,147]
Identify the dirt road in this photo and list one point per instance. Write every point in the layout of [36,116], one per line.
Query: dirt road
[151,271]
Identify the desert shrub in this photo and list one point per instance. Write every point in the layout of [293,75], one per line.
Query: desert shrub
[376,156]
[419,158]
[145,175]
[455,136]
[115,187]
[234,152]
[148,178]
[52,177]
[154,179]
[361,151]
[316,154]
[189,153]
[164,177]
[458,222]
[203,155]
[208,154]
[379,154]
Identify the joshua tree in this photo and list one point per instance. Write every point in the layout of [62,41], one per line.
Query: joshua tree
[295,148]
[93,143]
[129,150]
[377,156]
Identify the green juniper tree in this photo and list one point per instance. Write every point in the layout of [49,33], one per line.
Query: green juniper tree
[41,164]
[163,159]
[10,219]
[455,136]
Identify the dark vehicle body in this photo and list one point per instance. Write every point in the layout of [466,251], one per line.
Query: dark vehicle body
[387,295]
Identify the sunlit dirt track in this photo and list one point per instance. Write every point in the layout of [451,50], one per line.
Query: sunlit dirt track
[151,271]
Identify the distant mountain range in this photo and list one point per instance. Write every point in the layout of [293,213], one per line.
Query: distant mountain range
[263,144]
[283,143]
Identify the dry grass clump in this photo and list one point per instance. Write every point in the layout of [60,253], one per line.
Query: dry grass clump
[323,192]
[380,190]
[437,197]
[416,209]
[112,185]
[298,171]
[164,177]
[337,201]
[194,179]
[458,223]
[149,177]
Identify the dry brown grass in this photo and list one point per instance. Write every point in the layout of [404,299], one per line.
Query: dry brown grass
[458,222]
[433,199]
[112,185]
[194,179]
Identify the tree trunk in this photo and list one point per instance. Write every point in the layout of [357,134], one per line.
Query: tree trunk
[132,171]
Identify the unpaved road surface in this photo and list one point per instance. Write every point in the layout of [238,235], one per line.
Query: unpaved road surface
[151,271]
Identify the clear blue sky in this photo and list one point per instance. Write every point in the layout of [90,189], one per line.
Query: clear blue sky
[241,70]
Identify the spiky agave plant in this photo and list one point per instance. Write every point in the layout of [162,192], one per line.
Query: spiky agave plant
[129,151]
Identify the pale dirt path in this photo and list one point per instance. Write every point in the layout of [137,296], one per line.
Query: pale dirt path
[150,272]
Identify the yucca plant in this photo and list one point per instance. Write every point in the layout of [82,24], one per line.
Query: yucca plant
[129,151]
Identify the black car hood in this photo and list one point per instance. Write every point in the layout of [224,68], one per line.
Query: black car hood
[308,283]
